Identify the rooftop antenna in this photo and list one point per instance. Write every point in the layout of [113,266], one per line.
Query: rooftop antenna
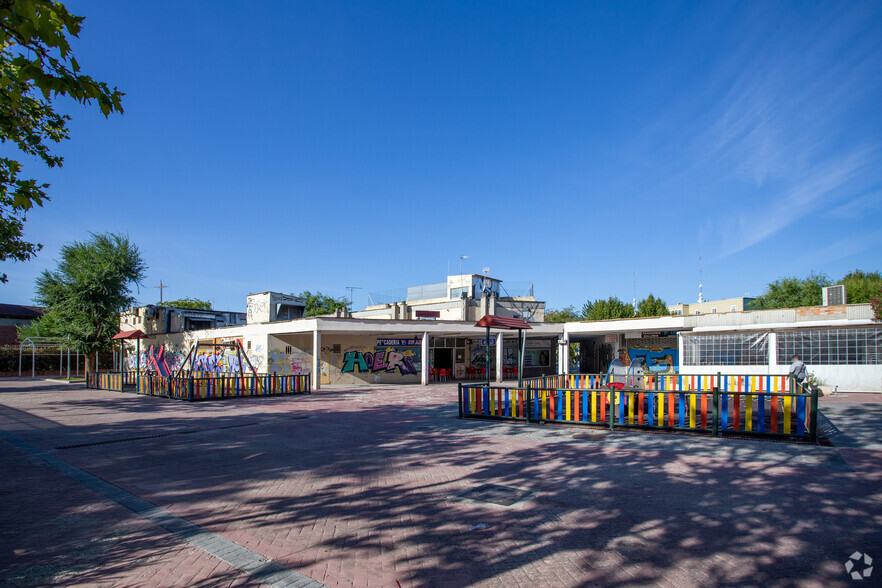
[700,279]
[461,257]
[161,287]
[634,303]
[351,290]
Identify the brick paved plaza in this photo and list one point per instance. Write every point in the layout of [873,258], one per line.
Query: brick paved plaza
[363,487]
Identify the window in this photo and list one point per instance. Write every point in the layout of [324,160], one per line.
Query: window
[731,308]
[851,346]
[288,312]
[697,312]
[287,350]
[728,349]
[456,293]
[249,345]
[714,310]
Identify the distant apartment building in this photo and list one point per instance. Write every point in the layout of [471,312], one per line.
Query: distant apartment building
[13,316]
[465,297]
[271,307]
[739,304]
[154,319]
[265,307]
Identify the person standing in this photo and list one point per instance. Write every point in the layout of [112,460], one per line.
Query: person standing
[798,373]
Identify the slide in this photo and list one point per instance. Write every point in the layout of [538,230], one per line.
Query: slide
[158,361]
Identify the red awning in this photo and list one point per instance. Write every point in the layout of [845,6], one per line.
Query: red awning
[136,334]
[502,322]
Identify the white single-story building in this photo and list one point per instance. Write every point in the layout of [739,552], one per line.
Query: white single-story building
[841,345]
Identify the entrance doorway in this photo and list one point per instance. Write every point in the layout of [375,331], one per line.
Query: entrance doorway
[443,359]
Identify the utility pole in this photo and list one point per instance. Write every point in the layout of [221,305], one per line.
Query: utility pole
[700,279]
[634,303]
[161,287]
[351,290]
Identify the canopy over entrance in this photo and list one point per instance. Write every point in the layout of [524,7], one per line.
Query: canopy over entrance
[502,322]
[492,321]
[136,334]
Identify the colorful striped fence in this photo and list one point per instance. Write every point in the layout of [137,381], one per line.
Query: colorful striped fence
[113,381]
[205,387]
[675,382]
[106,381]
[748,410]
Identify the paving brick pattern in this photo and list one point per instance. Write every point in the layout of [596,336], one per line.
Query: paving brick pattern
[362,487]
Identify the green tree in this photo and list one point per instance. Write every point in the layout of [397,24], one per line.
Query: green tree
[861,287]
[318,304]
[792,293]
[48,325]
[36,66]
[652,306]
[563,315]
[190,303]
[90,287]
[611,308]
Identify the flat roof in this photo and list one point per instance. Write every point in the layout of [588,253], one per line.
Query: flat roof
[356,326]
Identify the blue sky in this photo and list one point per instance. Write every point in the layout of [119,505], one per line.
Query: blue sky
[292,145]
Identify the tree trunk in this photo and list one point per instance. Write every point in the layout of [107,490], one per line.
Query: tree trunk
[90,366]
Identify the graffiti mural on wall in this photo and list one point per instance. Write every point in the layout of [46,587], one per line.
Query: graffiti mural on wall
[401,356]
[478,358]
[174,359]
[379,361]
[658,360]
[296,362]
[220,361]
[223,361]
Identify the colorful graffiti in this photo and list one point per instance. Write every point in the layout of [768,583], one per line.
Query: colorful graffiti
[294,363]
[657,359]
[174,359]
[223,361]
[388,360]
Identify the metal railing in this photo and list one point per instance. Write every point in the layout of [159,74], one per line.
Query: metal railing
[754,411]
[204,387]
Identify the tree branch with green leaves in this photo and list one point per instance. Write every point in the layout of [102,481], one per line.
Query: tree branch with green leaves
[37,65]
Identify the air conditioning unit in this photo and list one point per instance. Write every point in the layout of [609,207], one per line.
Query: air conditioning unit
[834,295]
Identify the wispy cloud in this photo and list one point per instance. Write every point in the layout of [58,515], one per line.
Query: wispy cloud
[840,249]
[827,181]
[869,203]
[774,120]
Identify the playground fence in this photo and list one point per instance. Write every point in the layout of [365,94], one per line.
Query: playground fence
[742,409]
[205,386]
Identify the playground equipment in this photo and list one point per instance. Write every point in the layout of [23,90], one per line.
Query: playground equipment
[36,343]
[234,345]
[123,336]
[157,361]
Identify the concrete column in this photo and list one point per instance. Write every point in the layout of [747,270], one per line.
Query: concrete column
[424,366]
[563,356]
[772,347]
[316,359]
[499,341]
